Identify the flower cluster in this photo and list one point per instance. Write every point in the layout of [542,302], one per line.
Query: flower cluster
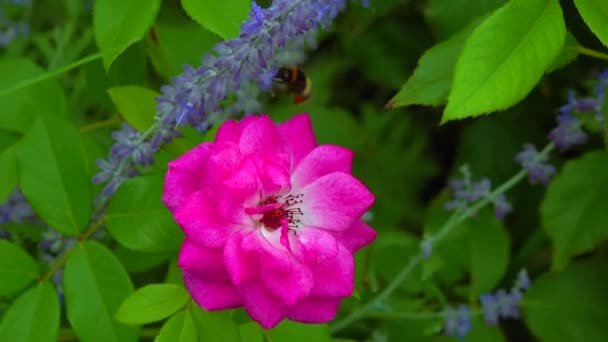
[466,191]
[269,38]
[271,221]
[503,304]
[535,163]
[13,20]
[457,322]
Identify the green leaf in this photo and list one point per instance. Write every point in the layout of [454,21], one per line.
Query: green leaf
[21,108]
[119,23]
[223,18]
[298,332]
[152,303]
[574,207]
[568,54]
[180,328]
[216,326]
[595,14]
[54,177]
[430,84]
[138,219]
[95,285]
[251,332]
[33,317]
[505,57]
[174,273]
[136,104]
[183,42]
[449,17]
[17,268]
[569,306]
[8,163]
[136,262]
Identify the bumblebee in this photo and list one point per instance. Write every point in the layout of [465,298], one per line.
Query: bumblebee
[292,81]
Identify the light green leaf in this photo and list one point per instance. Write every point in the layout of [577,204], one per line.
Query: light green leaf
[152,303]
[136,104]
[251,332]
[119,23]
[595,14]
[33,317]
[223,18]
[505,57]
[569,306]
[430,84]
[136,262]
[449,17]
[568,54]
[17,268]
[216,326]
[54,178]
[21,108]
[8,163]
[95,285]
[574,207]
[138,219]
[180,328]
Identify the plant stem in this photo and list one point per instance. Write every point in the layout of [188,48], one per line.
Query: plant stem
[447,227]
[64,257]
[592,53]
[100,124]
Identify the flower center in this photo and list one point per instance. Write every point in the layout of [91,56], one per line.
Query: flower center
[276,211]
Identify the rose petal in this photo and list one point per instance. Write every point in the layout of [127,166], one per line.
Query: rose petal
[314,310]
[204,262]
[229,131]
[242,265]
[201,222]
[355,237]
[262,306]
[261,136]
[299,136]
[335,279]
[335,202]
[315,246]
[184,176]
[212,295]
[321,161]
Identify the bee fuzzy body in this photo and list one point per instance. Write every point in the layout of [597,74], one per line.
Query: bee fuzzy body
[292,81]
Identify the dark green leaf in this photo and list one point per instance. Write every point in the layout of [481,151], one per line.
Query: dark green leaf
[223,18]
[95,285]
[136,104]
[140,261]
[449,17]
[574,207]
[505,57]
[180,328]
[569,306]
[119,23]
[17,268]
[595,14]
[152,303]
[8,163]
[54,177]
[138,219]
[33,317]
[251,332]
[21,108]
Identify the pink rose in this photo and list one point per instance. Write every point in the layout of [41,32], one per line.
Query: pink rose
[271,221]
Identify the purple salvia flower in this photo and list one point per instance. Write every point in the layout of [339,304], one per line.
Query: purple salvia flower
[457,322]
[490,306]
[16,209]
[523,281]
[502,207]
[568,132]
[538,170]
